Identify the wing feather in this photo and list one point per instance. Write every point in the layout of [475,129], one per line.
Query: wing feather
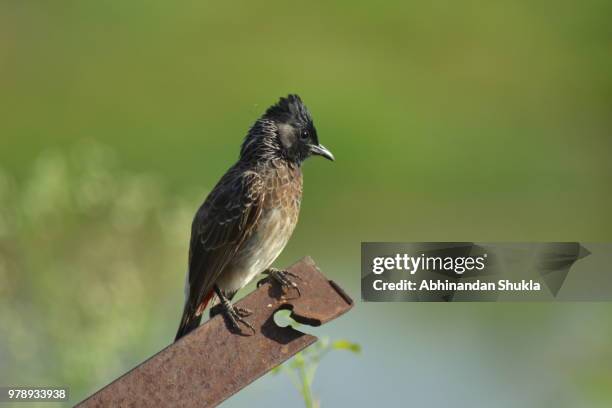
[220,227]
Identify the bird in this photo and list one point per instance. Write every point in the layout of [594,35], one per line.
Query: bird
[249,216]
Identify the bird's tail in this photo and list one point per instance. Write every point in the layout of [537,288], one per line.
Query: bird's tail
[192,317]
[189,322]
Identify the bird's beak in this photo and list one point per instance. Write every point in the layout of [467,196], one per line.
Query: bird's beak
[321,150]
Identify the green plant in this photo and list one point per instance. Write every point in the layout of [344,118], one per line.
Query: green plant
[302,368]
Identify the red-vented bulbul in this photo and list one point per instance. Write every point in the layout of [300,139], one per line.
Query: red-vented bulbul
[248,218]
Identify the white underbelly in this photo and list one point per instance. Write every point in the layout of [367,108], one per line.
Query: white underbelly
[258,252]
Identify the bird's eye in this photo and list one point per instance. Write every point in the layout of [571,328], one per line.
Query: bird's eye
[304,135]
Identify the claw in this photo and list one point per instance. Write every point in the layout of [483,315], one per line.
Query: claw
[293,275]
[280,276]
[236,315]
[233,313]
[243,312]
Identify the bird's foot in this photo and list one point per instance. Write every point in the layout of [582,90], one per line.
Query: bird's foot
[282,277]
[236,315]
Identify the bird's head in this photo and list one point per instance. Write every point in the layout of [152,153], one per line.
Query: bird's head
[284,131]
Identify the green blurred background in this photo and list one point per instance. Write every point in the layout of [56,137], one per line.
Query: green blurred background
[467,121]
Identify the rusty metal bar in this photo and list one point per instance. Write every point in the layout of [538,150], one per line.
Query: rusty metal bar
[210,364]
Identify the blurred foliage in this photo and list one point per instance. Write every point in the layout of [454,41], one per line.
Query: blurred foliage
[86,254]
[480,120]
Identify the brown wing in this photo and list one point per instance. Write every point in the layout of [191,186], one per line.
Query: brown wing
[219,228]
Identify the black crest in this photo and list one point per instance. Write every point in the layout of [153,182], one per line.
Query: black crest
[288,110]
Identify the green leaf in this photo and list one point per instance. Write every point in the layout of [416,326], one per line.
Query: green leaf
[346,345]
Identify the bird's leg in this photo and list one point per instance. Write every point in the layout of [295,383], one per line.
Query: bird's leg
[282,277]
[234,314]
